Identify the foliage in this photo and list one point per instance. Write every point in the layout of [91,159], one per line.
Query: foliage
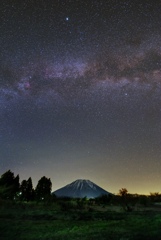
[155,197]
[26,190]
[123,192]
[144,200]
[104,199]
[9,185]
[81,203]
[31,221]
[43,189]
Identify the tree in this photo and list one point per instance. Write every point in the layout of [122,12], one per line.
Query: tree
[26,190]
[9,185]
[123,192]
[43,189]
[155,197]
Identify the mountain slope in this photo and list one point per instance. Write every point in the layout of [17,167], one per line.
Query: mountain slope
[81,188]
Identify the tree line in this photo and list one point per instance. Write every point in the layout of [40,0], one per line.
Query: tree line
[12,189]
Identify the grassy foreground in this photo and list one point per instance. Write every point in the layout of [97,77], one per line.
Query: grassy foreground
[35,222]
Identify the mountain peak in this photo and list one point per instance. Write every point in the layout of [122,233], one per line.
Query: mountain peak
[81,188]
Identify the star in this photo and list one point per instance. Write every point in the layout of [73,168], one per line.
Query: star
[80,86]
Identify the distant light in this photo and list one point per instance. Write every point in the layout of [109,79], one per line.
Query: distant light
[67,18]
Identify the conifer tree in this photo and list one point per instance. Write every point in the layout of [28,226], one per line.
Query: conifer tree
[43,189]
[9,185]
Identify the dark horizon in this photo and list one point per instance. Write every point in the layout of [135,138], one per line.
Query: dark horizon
[76,180]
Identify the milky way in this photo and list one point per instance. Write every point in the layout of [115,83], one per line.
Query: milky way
[80,92]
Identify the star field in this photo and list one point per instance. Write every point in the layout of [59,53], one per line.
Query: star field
[80,92]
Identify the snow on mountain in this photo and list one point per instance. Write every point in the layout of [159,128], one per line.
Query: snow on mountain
[81,188]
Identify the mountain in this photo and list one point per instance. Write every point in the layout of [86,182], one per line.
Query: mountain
[81,188]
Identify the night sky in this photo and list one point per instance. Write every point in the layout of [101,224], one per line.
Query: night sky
[80,92]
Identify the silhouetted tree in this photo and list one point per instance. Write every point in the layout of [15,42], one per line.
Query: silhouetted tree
[123,192]
[43,189]
[26,190]
[16,185]
[9,185]
[155,197]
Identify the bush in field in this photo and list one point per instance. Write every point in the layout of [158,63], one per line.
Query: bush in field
[81,203]
[104,199]
[66,205]
[144,200]
[155,197]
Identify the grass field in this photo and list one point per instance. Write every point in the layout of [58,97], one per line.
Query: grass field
[34,222]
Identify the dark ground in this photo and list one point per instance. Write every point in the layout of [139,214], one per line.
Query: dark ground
[26,221]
